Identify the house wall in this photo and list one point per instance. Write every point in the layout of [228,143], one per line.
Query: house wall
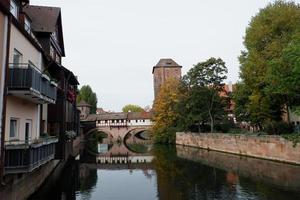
[3,40]
[22,110]
[294,118]
[2,47]
[139,122]
[19,42]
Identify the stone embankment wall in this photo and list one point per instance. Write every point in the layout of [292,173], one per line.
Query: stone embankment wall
[266,147]
[24,186]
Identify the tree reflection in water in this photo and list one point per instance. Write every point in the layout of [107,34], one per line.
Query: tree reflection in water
[177,174]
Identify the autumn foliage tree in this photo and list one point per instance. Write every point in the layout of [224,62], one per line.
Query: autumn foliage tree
[164,111]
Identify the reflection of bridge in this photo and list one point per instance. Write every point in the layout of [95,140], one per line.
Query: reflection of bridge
[124,150]
[118,125]
[121,159]
[142,166]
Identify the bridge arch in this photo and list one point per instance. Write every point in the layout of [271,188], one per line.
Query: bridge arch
[134,132]
[109,134]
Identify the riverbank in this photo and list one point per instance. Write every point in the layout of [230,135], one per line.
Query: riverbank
[266,147]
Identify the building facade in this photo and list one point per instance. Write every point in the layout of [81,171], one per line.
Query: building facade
[164,70]
[3,51]
[37,94]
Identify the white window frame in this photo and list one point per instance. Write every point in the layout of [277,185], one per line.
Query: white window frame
[17,128]
[14,8]
[29,121]
[16,52]
[27,25]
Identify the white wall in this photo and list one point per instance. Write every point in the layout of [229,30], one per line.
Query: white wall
[22,110]
[17,108]
[19,41]
[139,122]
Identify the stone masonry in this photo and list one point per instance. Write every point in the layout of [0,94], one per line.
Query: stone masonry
[162,71]
[266,147]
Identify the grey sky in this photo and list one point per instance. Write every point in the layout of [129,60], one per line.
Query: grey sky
[112,45]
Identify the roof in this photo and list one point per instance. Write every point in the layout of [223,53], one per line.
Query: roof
[44,19]
[106,116]
[139,115]
[83,103]
[100,110]
[166,62]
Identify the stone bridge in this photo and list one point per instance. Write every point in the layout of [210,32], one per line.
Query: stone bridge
[119,133]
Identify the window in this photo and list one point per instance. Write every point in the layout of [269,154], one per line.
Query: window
[57,58]
[13,132]
[17,57]
[28,129]
[27,25]
[14,9]
[52,52]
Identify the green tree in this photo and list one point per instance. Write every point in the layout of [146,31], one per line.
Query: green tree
[86,93]
[270,64]
[132,108]
[204,82]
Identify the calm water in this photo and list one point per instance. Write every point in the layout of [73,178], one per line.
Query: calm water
[174,173]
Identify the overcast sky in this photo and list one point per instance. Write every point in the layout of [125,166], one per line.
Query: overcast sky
[112,45]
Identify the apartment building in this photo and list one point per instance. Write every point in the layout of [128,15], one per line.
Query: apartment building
[39,93]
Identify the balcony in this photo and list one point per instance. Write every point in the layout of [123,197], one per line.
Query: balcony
[25,156]
[27,82]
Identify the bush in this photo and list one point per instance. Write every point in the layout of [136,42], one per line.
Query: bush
[277,128]
[225,126]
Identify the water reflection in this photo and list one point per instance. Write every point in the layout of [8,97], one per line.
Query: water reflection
[176,173]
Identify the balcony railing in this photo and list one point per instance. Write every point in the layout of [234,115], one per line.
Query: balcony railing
[27,81]
[25,156]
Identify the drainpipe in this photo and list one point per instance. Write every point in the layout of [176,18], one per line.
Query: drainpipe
[3,89]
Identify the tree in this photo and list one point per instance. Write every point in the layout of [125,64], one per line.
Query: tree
[270,69]
[86,93]
[132,108]
[164,111]
[204,82]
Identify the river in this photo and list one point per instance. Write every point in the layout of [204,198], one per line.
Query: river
[171,173]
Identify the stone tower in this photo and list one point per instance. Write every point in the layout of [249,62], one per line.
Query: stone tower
[84,108]
[162,71]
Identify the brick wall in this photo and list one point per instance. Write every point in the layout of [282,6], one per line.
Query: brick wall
[267,147]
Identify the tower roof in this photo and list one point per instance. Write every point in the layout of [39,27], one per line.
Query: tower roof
[166,62]
[83,103]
